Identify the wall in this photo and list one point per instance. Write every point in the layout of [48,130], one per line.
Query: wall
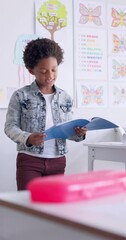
[18,19]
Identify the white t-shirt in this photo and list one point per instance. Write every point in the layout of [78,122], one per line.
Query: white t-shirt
[50,150]
[49,146]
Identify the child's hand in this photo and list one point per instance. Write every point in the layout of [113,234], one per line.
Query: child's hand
[36,139]
[81,131]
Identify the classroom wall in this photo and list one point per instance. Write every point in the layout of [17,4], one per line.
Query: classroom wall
[18,19]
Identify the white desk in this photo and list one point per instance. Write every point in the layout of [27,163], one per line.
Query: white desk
[107,151]
[100,219]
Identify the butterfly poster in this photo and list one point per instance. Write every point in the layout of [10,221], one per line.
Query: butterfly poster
[117,69]
[118,95]
[89,14]
[91,94]
[117,42]
[117,16]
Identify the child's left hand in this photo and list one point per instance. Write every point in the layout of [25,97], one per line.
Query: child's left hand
[81,131]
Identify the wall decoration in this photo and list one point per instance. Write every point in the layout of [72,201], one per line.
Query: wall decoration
[52,15]
[90,15]
[118,18]
[90,53]
[90,60]
[24,77]
[117,43]
[54,20]
[118,96]
[91,95]
[117,55]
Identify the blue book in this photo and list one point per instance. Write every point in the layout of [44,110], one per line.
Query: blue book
[66,130]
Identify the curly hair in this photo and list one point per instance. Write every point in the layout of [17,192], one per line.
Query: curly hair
[39,49]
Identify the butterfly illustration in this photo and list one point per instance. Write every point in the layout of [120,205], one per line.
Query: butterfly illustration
[119,44]
[90,15]
[119,69]
[119,95]
[92,95]
[119,18]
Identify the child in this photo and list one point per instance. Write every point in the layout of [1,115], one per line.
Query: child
[36,107]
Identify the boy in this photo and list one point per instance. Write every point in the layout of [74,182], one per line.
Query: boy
[36,107]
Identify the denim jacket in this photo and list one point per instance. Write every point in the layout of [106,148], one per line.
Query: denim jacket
[27,114]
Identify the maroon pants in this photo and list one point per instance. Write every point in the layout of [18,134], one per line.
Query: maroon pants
[30,167]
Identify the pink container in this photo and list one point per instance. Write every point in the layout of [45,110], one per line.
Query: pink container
[76,187]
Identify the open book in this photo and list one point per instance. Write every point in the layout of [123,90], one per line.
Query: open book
[66,130]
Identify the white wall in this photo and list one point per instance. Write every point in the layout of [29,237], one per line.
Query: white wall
[17,18]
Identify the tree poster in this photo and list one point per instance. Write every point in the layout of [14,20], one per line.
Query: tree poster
[54,20]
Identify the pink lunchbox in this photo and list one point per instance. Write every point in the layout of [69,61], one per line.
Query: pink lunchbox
[76,187]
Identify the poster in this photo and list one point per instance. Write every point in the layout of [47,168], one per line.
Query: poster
[117,55]
[100,54]
[91,94]
[54,20]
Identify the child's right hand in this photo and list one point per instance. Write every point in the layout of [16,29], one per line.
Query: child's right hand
[36,139]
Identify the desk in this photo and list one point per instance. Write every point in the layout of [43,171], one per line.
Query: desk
[99,219]
[107,151]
